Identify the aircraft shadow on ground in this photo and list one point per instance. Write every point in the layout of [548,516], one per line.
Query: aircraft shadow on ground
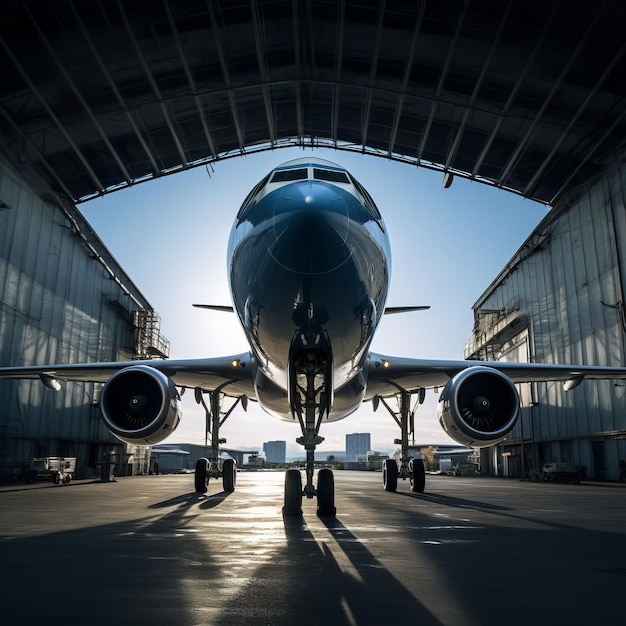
[159,568]
[462,503]
[189,499]
[330,579]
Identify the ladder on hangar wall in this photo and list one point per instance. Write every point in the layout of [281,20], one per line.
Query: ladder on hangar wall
[149,343]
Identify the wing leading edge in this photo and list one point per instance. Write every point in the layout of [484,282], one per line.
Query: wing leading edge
[233,374]
[388,374]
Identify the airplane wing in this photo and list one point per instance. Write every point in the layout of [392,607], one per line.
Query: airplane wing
[233,373]
[225,308]
[391,310]
[388,374]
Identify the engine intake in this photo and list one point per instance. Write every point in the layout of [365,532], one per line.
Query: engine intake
[478,407]
[140,405]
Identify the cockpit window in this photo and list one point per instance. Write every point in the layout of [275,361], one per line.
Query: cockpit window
[369,202]
[250,196]
[283,176]
[330,175]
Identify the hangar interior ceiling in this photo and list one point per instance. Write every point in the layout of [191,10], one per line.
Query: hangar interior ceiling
[528,96]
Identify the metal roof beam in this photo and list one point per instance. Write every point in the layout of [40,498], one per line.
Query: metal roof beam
[115,90]
[583,105]
[373,68]
[442,80]
[521,147]
[79,96]
[153,85]
[259,41]
[51,114]
[225,73]
[190,79]
[41,157]
[530,60]
[339,48]
[477,87]
[588,155]
[298,67]
[406,80]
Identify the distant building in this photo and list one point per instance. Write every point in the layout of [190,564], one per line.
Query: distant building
[275,451]
[357,446]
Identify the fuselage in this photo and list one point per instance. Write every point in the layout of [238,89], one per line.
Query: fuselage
[309,265]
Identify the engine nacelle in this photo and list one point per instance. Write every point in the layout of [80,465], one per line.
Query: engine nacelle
[140,405]
[478,407]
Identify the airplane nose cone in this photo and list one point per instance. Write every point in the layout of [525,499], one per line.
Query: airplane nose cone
[310,229]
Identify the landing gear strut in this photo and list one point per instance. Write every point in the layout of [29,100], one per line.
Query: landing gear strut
[413,468]
[212,467]
[310,385]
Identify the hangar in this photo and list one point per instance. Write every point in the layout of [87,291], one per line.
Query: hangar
[527,96]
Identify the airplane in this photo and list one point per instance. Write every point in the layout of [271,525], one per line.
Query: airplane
[309,263]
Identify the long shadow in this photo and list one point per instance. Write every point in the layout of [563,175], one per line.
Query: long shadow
[505,566]
[122,573]
[330,579]
[461,503]
[189,499]
[161,568]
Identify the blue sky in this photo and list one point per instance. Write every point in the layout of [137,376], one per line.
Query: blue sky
[448,245]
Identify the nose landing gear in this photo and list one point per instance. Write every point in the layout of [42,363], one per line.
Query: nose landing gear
[310,393]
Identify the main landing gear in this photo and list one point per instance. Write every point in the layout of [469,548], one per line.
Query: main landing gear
[413,468]
[214,467]
[310,382]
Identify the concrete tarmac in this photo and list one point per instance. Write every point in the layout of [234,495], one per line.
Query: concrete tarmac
[468,552]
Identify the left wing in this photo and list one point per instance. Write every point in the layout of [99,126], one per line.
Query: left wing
[233,373]
[387,373]
[140,401]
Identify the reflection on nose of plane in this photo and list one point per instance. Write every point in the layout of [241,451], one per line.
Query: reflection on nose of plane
[310,229]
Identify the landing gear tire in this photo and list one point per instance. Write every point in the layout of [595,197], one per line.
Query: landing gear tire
[390,475]
[201,477]
[229,475]
[418,475]
[293,493]
[326,493]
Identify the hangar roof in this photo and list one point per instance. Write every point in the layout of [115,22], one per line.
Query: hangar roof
[527,95]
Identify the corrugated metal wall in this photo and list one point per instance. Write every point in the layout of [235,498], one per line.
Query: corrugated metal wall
[58,303]
[568,279]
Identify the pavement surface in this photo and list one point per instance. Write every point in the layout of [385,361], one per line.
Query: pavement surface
[469,551]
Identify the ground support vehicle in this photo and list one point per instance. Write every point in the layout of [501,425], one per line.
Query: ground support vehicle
[554,472]
[57,469]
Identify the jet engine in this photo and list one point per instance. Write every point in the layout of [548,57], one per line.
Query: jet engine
[140,405]
[478,407]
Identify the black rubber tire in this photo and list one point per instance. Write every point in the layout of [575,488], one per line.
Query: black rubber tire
[418,475]
[293,493]
[201,477]
[229,475]
[390,475]
[326,493]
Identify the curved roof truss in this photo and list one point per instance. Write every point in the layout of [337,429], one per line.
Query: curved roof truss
[526,95]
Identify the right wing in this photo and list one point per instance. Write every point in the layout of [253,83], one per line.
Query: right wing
[479,404]
[388,374]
